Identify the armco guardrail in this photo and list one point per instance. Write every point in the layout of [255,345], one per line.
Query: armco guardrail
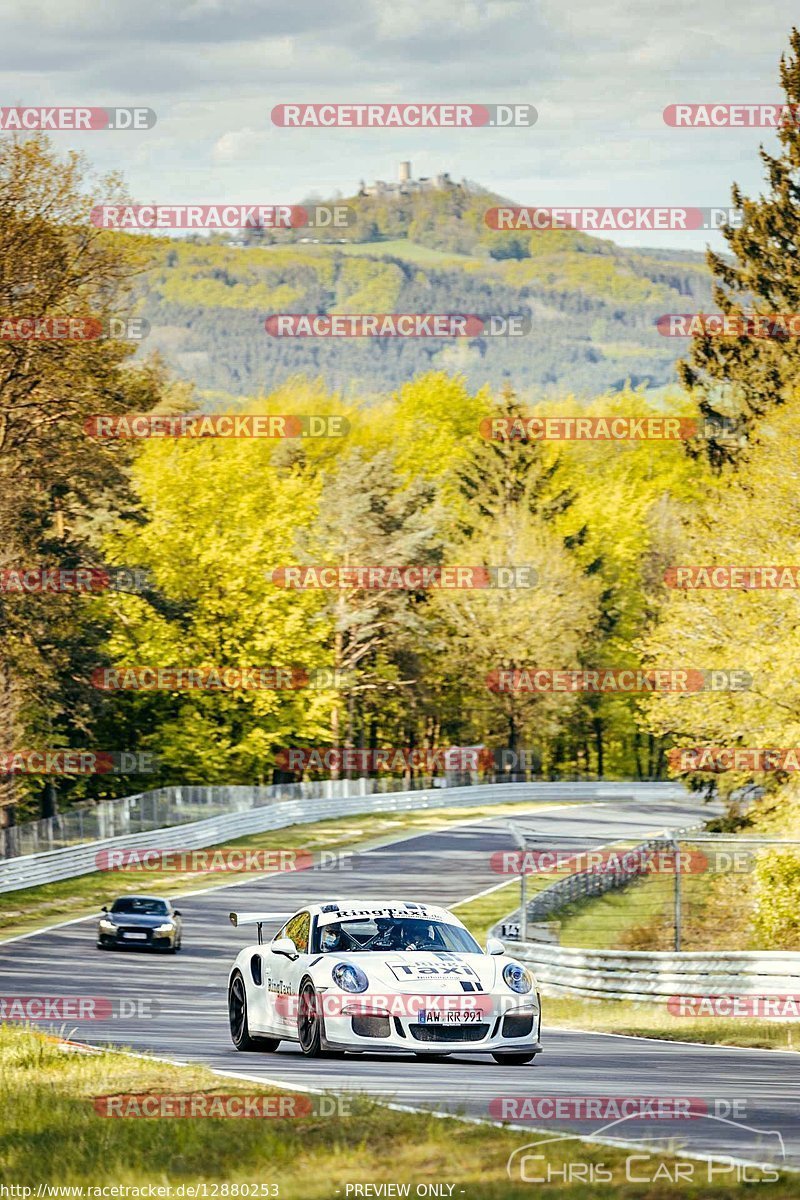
[162,808]
[276,811]
[649,975]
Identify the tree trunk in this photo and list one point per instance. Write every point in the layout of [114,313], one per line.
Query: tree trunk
[9,784]
[598,744]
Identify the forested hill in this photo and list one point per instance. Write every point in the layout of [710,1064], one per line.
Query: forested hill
[593,305]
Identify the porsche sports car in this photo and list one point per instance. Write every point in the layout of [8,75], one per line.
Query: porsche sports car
[145,921]
[381,977]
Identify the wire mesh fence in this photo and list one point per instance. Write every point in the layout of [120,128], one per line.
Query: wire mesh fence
[682,891]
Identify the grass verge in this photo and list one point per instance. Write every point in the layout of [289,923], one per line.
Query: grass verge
[52,1133]
[654,1021]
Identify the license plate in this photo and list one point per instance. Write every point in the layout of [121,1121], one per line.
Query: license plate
[136,937]
[456,1016]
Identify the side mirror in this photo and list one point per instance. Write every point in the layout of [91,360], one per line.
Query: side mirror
[495,946]
[104,908]
[285,946]
[176,912]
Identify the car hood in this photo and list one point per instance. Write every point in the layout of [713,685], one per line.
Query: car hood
[439,974]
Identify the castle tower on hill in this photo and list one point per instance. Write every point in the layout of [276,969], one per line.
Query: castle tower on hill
[406,184]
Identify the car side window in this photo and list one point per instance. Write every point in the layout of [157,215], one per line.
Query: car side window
[298,930]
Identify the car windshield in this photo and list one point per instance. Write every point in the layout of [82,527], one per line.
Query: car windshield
[387,934]
[140,905]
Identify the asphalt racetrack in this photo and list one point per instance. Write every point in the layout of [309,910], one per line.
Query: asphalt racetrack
[754,1094]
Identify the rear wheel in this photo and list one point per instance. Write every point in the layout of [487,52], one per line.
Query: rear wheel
[512,1060]
[237,1016]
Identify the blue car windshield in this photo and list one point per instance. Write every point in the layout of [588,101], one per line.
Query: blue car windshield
[386,934]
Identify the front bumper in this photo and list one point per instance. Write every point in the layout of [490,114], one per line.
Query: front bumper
[509,1029]
[120,939]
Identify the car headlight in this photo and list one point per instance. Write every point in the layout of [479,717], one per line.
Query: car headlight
[163,930]
[517,978]
[350,978]
[107,926]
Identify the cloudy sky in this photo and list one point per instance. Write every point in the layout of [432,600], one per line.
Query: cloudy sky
[599,76]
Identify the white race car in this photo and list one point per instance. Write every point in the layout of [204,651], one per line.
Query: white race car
[393,976]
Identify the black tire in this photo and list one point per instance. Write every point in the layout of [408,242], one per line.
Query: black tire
[309,1021]
[512,1060]
[237,1018]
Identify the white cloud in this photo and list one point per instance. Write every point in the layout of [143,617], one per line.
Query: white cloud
[239,145]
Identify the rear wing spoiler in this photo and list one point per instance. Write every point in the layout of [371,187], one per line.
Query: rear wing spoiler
[257,918]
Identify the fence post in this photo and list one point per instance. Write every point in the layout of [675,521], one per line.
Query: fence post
[677,897]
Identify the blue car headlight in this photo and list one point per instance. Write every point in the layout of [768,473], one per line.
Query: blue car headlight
[517,978]
[350,978]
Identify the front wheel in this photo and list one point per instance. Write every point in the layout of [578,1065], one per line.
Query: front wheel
[237,1016]
[512,1060]
[309,1021]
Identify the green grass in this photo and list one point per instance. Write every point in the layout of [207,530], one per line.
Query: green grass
[408,250]
[30,908]
[52,1133]
[481,914]
[611,921]
[715,915]
[654,1021]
